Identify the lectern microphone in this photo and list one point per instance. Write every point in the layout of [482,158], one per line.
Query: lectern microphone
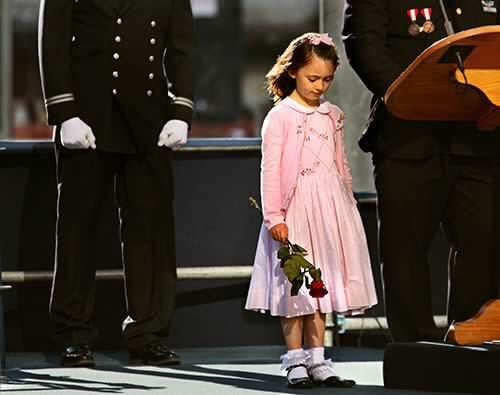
[447,23]
[456,51]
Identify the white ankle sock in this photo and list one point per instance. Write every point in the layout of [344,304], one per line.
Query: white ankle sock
[295,357]
[294,352]
[298,372]
[317,355]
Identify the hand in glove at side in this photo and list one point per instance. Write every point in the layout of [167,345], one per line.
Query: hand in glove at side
[76,134]
[173,133]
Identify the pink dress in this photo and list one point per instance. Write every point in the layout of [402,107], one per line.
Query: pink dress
[323,218]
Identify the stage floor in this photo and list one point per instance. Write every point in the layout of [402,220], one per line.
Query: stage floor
[207,371]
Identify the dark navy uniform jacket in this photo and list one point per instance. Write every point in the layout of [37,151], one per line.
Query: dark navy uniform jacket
[94,53]
[379,48]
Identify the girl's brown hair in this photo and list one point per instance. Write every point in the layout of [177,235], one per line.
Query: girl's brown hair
[298,53]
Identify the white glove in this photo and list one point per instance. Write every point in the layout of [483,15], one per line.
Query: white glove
[76,134]
[173,133]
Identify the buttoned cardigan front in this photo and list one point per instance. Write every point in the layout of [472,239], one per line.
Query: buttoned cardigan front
[282,143]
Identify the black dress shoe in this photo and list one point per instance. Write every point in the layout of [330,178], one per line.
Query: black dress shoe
[77,357]
[298,382]
[336,381]
[154,354]
[322,374]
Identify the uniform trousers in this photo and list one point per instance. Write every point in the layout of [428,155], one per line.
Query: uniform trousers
[415,197]
[143,188]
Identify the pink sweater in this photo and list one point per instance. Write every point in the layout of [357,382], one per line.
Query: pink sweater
[282,150]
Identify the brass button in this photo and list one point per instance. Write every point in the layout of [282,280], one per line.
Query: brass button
[149,92]
[151,76]
[151,58]
[115,91]
[119,21]
[459,11]
[115,74]
[116,55]
[118,39]
[153,24]
[152,41]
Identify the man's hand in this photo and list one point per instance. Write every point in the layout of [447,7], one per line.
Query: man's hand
[173,133]
[76,134]
[279,232]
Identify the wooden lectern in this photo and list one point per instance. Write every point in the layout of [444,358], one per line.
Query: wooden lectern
[482,328]
[434,88]
[438,86]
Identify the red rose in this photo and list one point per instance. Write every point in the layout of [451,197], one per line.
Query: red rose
[317,289]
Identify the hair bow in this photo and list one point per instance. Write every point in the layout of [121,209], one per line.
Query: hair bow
[321,38]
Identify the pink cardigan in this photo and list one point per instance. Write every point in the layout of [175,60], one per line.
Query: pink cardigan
[281,152]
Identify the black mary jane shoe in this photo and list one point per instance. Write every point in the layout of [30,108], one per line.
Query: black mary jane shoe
[79,356]
[336,381]
[154,354]
[299,382]
[323,375]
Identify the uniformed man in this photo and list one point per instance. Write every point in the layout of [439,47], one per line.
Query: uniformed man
[117,79]
[426,173]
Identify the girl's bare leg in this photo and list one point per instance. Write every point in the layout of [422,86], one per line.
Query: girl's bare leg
[292,331]
[314,330]
[294,361]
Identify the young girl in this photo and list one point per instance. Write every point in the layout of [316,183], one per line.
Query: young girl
[307,198]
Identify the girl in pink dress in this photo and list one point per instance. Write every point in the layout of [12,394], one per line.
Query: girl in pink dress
[307,198]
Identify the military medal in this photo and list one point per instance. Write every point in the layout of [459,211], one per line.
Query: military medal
[414,28]
[428,26]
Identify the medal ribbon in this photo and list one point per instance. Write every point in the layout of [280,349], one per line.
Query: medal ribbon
[426,13]
[412,14]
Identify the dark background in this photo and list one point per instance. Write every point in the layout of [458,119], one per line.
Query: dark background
[214,226]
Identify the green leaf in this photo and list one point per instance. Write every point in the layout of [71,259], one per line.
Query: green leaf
[308,285]
[283,252]
[291,269]
[296,284]
[301,261]
[298,249]
[283,261]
